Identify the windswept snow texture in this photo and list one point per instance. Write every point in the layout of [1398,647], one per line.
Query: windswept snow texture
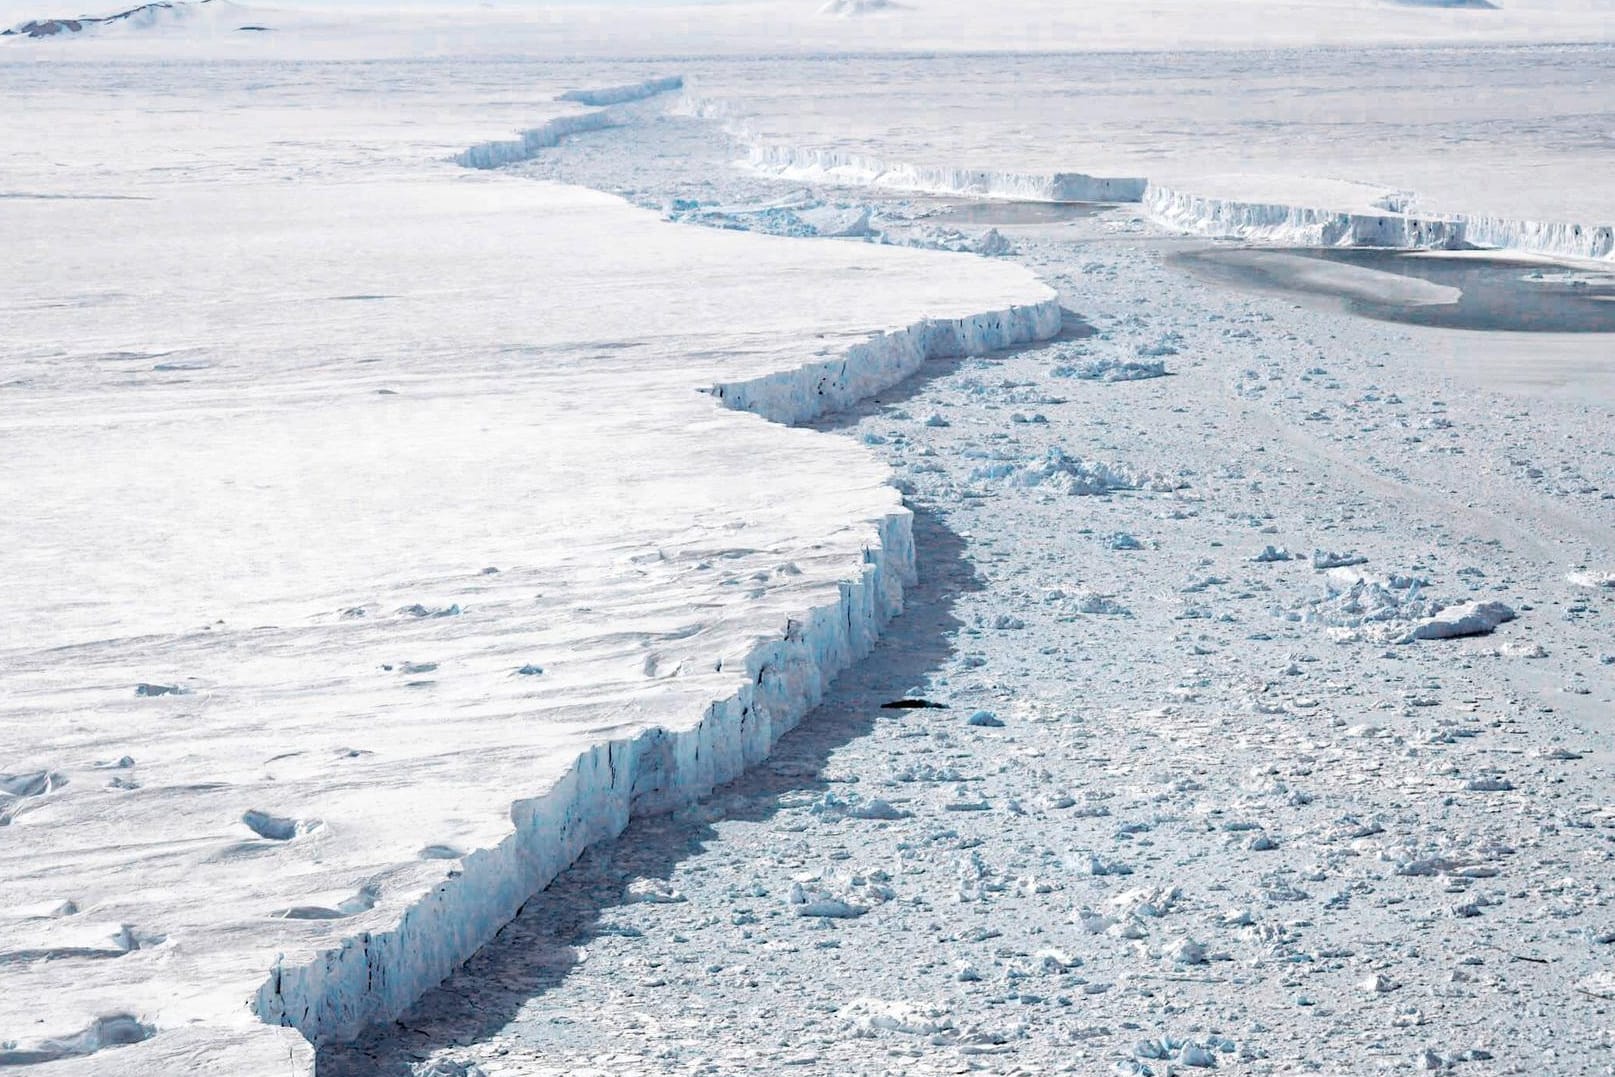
[381,553]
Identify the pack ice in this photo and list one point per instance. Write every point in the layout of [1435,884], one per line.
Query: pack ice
[384,532]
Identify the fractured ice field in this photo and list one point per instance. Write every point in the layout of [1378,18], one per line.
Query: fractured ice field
[436,438]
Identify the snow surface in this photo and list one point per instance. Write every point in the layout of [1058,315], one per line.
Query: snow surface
[396,557]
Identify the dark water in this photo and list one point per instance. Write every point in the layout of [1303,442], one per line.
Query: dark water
[1498,294]
[1012,213]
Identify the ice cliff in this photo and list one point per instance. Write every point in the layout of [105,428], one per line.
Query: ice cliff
[374,976]
[1395,223]
[617,95]
[547,134]
[836,166]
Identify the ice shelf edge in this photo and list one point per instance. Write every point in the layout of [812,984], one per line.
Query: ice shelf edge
[525,147]
[375,976]
[1399,225]
[1394,227]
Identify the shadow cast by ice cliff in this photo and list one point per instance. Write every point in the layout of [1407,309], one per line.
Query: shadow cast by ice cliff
[534,954]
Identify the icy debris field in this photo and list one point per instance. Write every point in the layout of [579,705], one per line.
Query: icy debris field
[427,453]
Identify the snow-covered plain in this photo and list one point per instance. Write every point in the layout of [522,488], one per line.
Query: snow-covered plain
[389,473]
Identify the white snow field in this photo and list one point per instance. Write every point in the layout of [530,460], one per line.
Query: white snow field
[373,550]
[389,523]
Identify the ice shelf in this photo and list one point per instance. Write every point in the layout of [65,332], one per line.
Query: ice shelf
[388,546]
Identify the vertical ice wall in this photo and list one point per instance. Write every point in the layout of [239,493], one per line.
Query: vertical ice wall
[1395,222]
[375,976]
[617,95]
[545,135]
[837,166]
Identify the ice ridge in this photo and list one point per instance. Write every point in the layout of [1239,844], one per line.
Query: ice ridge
[812,164]
[808,392]
[511,151]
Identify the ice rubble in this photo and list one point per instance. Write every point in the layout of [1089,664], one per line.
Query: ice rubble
[797,214]
[1391,608]
[1078,477]
[846,8]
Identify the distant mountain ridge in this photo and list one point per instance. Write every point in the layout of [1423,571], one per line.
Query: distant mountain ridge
[145,14]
